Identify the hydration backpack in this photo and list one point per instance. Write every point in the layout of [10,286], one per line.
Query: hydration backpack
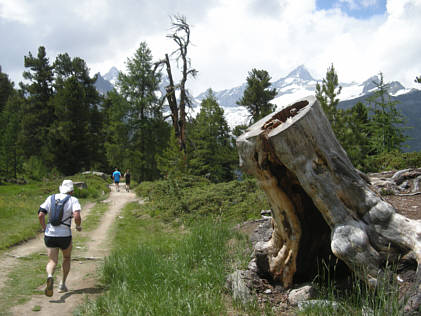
[55,216]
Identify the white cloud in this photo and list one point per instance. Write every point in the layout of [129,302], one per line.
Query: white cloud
[15,11]
[229,37]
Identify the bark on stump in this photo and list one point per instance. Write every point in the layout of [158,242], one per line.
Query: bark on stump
[320,203]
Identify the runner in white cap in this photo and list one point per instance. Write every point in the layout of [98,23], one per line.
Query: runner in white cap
[59,236]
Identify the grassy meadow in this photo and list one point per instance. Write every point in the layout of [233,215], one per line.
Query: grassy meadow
[171,255]
[19,205]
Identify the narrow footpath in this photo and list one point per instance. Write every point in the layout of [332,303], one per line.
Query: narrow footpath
[82,279]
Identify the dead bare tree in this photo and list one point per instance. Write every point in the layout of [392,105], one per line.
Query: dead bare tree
[181,36]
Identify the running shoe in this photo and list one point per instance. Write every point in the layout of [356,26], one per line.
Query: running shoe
[49,288]
[62,288]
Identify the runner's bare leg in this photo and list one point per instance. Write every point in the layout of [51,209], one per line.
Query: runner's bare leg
[52,260]
[67,256]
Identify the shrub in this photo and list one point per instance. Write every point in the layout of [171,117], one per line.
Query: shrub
[193,197]
[394,161]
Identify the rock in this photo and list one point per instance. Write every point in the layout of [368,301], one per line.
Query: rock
[80,185]
[318,303]
[261,254]
[281,307]
[237,282]
[263,232]
[252,266]
[97,173]
[266,212]
[305,293]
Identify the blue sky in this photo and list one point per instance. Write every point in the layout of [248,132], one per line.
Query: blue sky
[360,9]
[229,37]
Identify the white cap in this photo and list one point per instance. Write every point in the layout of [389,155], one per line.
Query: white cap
[66,186]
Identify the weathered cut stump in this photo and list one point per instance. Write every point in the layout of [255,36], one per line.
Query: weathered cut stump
[320,203]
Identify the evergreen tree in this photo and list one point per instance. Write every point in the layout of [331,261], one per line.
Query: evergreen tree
[357,135]
[75,141]
[10,117]
[327,94]
[147,129]
[6,89]
[39,114]
[418,79]
[171,162]
[239,129]
[212,153]
[116,130]
[139,85]
[257,95]
[387,134]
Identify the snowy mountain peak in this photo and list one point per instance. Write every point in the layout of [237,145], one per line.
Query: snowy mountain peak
[370,84]
[300,72]
[394,87]
[112,75]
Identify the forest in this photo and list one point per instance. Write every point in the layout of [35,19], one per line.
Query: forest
[55,123]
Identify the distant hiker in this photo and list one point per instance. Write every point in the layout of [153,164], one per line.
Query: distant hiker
[116,177]
[127,179]
[60,208]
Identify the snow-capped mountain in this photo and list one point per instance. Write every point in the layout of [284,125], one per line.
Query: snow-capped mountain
[112,75]
[299,83]
[102,85]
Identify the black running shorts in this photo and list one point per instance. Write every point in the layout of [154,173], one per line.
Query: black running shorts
[58,242]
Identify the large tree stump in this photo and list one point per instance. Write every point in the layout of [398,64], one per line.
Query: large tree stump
[320,203]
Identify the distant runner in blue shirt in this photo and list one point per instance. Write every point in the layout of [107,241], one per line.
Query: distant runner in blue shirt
[116,177]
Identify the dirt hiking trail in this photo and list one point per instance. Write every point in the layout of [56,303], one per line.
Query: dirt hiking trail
[81,281]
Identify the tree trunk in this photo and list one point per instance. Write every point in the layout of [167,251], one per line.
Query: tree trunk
[320,203]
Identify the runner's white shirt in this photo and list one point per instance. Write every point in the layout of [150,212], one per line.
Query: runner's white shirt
[70,207]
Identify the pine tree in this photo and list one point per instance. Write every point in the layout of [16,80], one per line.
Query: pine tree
[387,132]
[147,128]
[74,139]
[418,79]
[6,89]
[171,161]
[212,153]
[116,130]
[257,95]
[356,140]
[10,117]
[327,94]
[139,85]
[39,114]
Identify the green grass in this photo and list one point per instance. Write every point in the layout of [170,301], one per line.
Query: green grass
[19,205]
[94,217]
[163,269]
[193,198]
[18,212]
[358,299]
[18,209]
[23,281]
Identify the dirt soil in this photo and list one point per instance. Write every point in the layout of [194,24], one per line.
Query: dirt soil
[82,279]
[410,206]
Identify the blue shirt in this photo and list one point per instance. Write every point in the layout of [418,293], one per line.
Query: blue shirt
[116,175]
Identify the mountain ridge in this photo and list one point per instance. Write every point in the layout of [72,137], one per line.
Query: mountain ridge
[300,83]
